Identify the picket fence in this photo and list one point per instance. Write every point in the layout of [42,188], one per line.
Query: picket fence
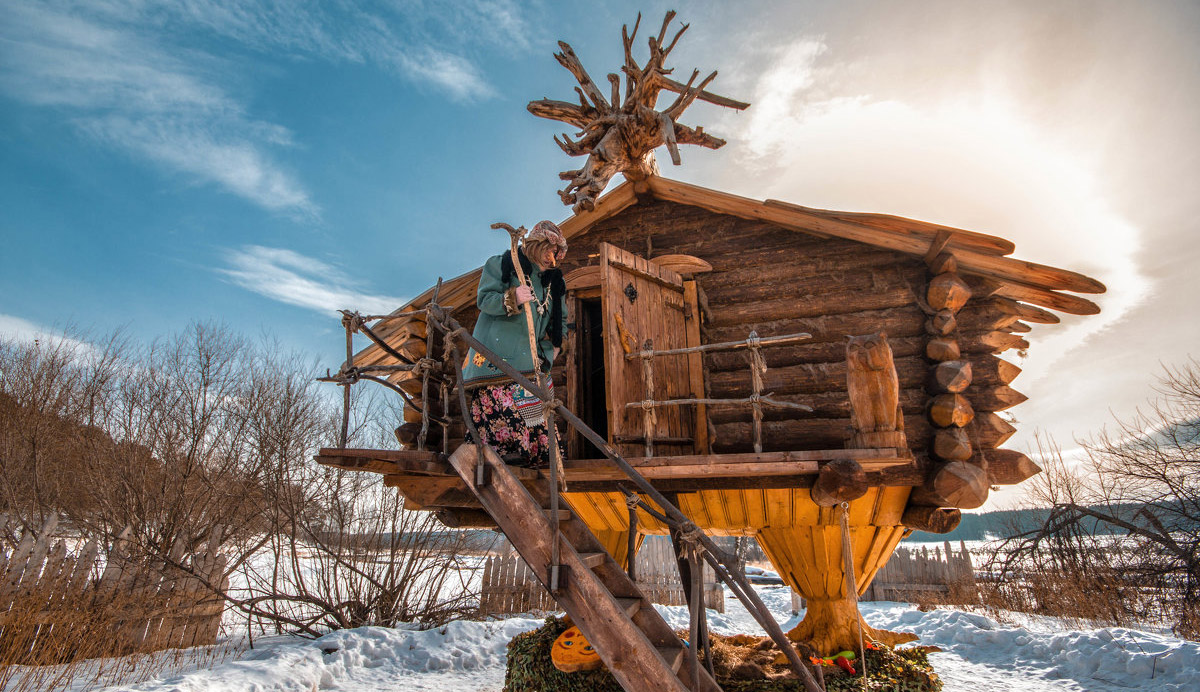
[509,586]
[49,594]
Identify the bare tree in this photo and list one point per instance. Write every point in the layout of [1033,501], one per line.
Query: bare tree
[1125,519]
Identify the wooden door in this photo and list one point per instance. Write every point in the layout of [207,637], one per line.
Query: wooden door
[644,308]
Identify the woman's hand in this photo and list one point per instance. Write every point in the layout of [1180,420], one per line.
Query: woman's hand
[524,294]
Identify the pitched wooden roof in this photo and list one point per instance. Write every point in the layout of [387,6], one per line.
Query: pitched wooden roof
[976,253]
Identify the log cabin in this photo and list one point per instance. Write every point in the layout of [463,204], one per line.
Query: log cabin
[823,381]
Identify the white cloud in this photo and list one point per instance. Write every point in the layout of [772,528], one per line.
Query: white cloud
[295,279]
[22,330]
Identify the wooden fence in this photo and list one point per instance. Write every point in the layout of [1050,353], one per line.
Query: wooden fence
[920,575]
[509,586]
[52,606]
[923,575]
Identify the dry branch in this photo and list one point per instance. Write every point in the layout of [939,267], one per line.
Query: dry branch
[621,136]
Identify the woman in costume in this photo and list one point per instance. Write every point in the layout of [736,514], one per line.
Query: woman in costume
[509,418]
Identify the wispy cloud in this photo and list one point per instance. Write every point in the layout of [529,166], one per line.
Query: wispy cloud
[295,279]
[155,79]
[131,93]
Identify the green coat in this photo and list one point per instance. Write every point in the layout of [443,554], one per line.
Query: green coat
[506,334]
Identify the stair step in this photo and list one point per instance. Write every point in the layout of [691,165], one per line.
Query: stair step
[593,560]
[630,605]
[563,514]
[673,655]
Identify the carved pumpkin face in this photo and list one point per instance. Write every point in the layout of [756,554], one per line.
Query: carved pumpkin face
[571,652]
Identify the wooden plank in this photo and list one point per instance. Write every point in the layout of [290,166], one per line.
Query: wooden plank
[731,465]
[643,315]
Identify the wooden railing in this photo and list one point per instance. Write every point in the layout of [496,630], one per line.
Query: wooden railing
[756,400]
[698,548]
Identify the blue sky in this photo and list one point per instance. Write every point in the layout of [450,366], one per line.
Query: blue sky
[267,163]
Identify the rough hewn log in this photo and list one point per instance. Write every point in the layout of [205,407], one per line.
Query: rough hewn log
[943,263]
[989,369]
[826,433]
[807,378]
[805,352]
[991,342]
[941,323]
[947,292]
[982,286]
[994,398]
[767,270]
[956,484]
[990,430]
[842,480]
[834,404]
[1009,467]
[465,518]
[951,411]
[950,376]
[951,444]
[930,518]
[878,439]
[816,377]
[987,315]
[942,348]
[1030,313]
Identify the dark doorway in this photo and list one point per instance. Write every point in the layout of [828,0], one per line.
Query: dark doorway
[592,396]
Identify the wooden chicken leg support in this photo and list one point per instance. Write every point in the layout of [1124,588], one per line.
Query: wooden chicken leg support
[831,622]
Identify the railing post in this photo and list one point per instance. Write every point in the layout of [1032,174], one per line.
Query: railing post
[348,323]
[425,362]
[758,368]
[649,419]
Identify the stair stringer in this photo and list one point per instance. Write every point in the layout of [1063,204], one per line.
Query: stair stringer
[630,648]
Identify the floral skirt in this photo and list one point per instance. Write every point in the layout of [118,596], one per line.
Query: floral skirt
[512,421]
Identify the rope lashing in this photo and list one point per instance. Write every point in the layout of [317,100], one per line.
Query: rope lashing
[690,533]
[851,581]
[425,365]
[352,320]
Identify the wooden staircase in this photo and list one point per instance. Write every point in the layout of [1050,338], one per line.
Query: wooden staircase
[633,640]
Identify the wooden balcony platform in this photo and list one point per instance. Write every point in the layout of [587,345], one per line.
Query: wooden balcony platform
[429,482]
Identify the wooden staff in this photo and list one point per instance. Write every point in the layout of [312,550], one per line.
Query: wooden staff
[516,234]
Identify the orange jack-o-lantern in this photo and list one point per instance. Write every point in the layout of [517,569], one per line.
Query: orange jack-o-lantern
[572,652]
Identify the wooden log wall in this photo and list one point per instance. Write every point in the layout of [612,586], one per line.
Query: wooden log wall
[946,331]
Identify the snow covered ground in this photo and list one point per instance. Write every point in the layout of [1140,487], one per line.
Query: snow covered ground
[980,655]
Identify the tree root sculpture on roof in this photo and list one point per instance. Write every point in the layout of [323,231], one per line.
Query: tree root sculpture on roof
[620,136]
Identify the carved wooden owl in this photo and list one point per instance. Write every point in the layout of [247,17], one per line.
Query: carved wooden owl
[872,384]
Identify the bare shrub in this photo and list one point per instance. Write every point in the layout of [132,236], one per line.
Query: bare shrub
[205,432]
[363,559]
